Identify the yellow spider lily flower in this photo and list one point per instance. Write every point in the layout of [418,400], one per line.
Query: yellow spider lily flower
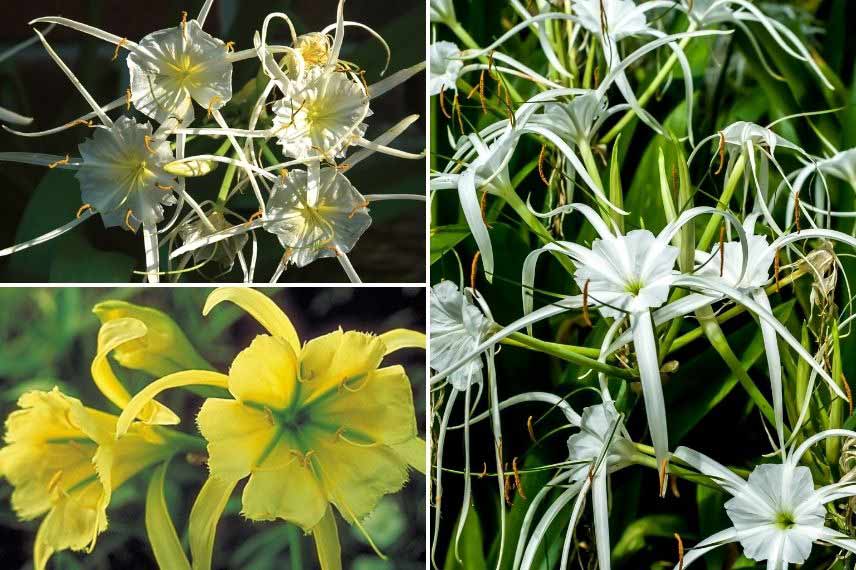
[64,462]
[323,416]
[140,338]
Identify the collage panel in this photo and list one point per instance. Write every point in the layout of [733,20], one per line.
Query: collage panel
[641,311]
[213,142]
[180,428]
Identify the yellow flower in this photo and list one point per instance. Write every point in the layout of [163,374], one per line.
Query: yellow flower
[64,462]
[324,417]
[140,338]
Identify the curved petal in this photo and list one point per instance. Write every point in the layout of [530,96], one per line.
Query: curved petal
[260,307]
[265,373]
[398,339]
[327,542]
[204,516]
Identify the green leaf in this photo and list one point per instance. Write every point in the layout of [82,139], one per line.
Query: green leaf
[470,547]
[711,519]
[162,536]
[445,238]
[636,535]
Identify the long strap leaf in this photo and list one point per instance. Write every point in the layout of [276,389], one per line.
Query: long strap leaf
[161,532]
[204,516]
[327,542]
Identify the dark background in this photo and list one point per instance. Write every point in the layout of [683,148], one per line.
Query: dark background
[392,250]
[48,338]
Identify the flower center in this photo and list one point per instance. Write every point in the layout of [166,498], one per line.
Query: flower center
[785,520]
[634,286]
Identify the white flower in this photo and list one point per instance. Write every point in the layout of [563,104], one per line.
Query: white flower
[757,267]
[223,253]
[599,436]
[578,119]
[122,174]
[457,328]
[616,19]
[445,67]
[171,68]
[627,274]
[442,11]
[841,165]
[321,114]
[777,514]
[316,214]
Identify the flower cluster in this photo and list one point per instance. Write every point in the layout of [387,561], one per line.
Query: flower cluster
[314,106]
[324,415]
[652,269]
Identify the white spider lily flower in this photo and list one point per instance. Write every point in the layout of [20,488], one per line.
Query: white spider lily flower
[743,14]
[442,12]
[321,115]
[445,67]
[460,321]
[600,448]
[841,165]
[222,253]
[172,68]
[777,514]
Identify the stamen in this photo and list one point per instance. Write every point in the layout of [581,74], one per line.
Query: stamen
[346,382]
[61,162]
[680,551]
[586,318]
[184,23]
[721,153]
[128,220]
[482,99]
[164,188]
[517,482]
[214,100]
[254,217]
[82,209]
[357,208]
[474,269]
[776,266]
[531,429]
[483,473]
[541,157]
[847,391]
[673,485]
[721,250]
[128,97]
[121,43]
[507,489]
[490,64]
[456,108]
[230,47]
[362,77]
[340,434]
[81,122]
[147,141]
[797,211]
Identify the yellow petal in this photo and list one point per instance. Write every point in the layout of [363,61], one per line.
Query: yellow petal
[355,477]
[165,543]
[398,339]
[265,373]
[378,409]
[337,358]
[204,516]
[327,545]
[111,336]
[261,307]
[73,524]
[413,452]
[177,380]
[237,436]
[290,492]
[190,168]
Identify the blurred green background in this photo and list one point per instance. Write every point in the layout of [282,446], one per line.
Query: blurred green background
[392,250]
[48,338]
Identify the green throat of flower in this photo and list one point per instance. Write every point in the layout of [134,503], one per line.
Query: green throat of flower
[785,520]
[634,287]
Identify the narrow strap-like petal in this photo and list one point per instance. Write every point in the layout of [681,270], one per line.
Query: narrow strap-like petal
[398,339]
[260,307]
[204,516]
[326,536]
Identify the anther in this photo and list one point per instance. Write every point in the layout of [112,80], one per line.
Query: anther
[530,429]
[214,100]
[254,217]
[128,98]
[456,108]
[474,269]
[82,209]
[443,103]
[54,482]
[797,211]
[119,45]
[357,208]
[128,220]
[586,317]
[507,489]
[164,188]
[483,473]
[680,551]
[541,157]
[147,141]
[61,162]
[483,208]
[184,23]
[490,64]
[283,174]
[721,153]
[721,250]
[230,47]
[517,482]
[81,122]
[847,392]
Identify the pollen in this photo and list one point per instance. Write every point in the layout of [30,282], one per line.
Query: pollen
[119,46]
[230,47]
[61,162]
[128,98]
[517,481]
[541,157]
[147,141]
[184,23]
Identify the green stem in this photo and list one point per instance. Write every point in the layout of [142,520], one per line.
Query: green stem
[727,193]
[295,549]
[650,91]
[574,355]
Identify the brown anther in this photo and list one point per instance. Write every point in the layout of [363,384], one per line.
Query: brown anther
[490,64]
[254,217]
[507,489]
[776,267]
[164,188]
[586,318]
[83,122]
[474,269]
[483,208]
[119,45]
[82,209]
[128,98]
[230,47]
[147,141]
[721,153]
[61,162]
[797,211]
[456,108]
[128,220]
[482,99]
[530,429]
[214,100]
[541,157]
[673,486]
[680,551]
[517,482]
[483,473]
[357,208]
[846,386]
[721,250]
[362,76]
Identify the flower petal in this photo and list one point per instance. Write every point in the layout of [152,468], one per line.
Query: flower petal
[204,516]
[300,501]
[327,542]
[261,308]
[237,437]
[398,339]
[265,373]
